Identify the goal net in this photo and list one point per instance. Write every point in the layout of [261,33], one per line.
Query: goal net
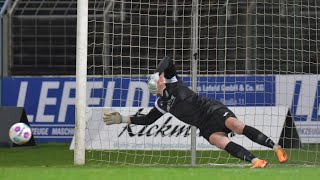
[259,57]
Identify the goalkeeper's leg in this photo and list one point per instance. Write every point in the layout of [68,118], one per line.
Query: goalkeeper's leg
[257,136]
[220,140]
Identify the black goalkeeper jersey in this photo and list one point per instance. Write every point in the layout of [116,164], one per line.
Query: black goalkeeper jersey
[178,100]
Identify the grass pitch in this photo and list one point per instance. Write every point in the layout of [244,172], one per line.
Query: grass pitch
[55,161]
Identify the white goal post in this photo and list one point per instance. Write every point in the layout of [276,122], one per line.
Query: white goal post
[259,57]
[81,81]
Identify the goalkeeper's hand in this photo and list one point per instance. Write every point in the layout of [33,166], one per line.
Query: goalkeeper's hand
[153,83]
[115,118]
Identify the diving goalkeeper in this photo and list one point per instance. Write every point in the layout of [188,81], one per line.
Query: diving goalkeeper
[213,118]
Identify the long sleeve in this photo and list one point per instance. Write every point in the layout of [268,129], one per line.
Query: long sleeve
[166,65]
[146,119]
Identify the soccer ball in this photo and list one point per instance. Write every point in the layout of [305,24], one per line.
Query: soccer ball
[20,133]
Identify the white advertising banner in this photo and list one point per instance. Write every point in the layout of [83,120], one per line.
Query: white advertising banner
[170,133]
[301,94]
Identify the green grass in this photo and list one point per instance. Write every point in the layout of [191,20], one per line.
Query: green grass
[55,161]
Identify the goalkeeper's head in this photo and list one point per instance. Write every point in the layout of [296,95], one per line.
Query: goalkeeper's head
[156,84]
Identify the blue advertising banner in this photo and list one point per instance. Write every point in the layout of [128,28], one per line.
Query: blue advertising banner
[50,101]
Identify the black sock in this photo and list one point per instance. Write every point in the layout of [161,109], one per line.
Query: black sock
[238,151]
[257,136]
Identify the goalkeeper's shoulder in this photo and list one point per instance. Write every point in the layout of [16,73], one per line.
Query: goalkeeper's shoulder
[164,64]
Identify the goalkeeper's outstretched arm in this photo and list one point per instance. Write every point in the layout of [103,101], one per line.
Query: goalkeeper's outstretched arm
[156,85]
[138,119]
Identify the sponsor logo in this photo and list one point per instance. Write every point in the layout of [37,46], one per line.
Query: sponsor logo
[164,130]
[50,101]
[306,102]
[170,103]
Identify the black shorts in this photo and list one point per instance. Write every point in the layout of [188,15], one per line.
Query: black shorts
[216,123]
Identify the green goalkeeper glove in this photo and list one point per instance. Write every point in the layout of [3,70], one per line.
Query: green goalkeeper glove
[115,118]
[153,83]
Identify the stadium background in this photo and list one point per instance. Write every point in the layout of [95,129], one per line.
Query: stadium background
[39,52]
[266,41]
[38,59]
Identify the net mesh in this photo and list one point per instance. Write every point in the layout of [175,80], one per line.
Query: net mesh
[250,53]
[259,57]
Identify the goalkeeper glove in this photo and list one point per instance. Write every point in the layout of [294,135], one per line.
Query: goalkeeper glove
[153,83]
[115,118]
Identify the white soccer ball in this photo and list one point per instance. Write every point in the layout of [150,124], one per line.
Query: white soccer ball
[20,133]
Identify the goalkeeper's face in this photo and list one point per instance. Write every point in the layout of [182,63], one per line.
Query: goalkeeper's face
[161,84]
